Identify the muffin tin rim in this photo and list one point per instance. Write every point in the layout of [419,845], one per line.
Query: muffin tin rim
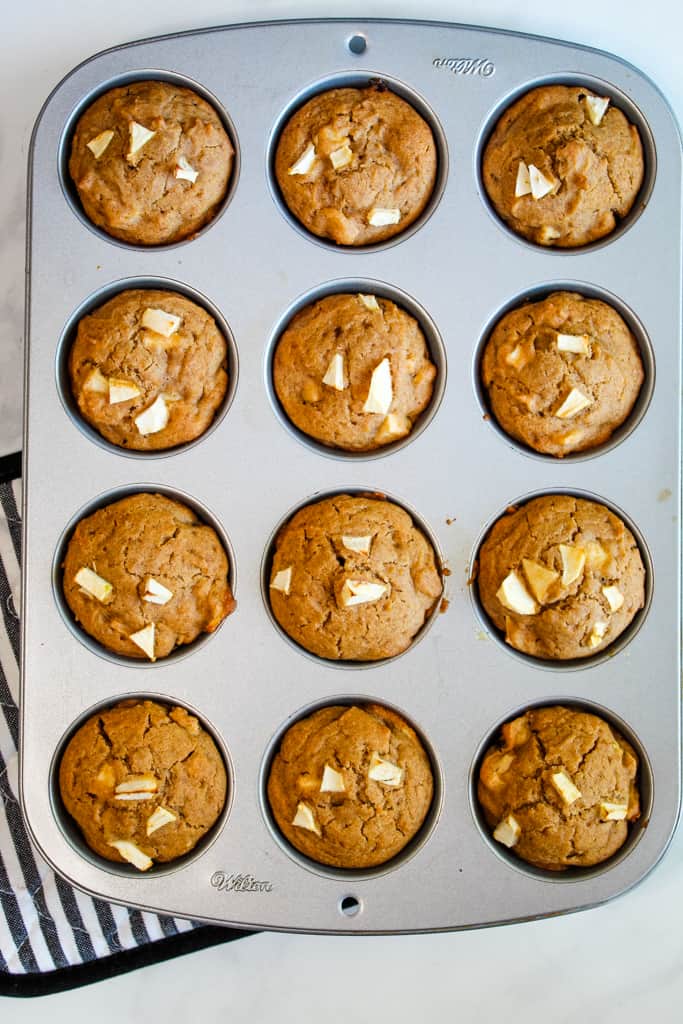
[358,78]
[646,791]
[599,86]
[109,497]
[537,293]
[436,349]
[94,301]
[569,664]
[128,77]
[354,491]
[69,827]
[412,848]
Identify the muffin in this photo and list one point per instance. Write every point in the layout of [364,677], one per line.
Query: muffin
[353,578]
[148,369]
[144,782]
[562,374]
[563,166]
[562,577]
[356,165]
[151,162]
[144,575]
[350,786]
[353,371]
[560,788]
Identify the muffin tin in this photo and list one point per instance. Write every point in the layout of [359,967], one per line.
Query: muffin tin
[458,268]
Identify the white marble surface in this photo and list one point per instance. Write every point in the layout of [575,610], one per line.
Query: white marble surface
[617,963]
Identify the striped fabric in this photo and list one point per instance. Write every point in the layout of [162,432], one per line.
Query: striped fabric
[45,924]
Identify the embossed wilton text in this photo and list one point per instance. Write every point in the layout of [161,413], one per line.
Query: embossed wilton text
[481,66]
[238,883]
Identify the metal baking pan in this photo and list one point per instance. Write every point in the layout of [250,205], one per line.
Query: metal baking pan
[458,268]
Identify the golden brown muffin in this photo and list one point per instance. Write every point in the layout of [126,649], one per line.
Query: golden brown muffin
[562,167]
[143,388]
[353,371]
[562,374]
[356,165]
[144,782]
[560,788]
[562,577]
[350,786]
[353,578]
[144,575]
[151,162]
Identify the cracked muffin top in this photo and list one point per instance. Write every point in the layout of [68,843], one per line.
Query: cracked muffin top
[562,577]
[562,374]
[148,369]
[143,782]
[353,371]
[144,575]
[353,578]
[563,166]
[151,162]
[350,786]
[560,788]
[356,165]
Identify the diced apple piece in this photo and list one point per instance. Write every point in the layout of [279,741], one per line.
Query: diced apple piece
[185,171]
[580,344]
[282,580]
[395,425]
[379,216]
[523,182]
[540,185]
[139,137]
[370,302]
[519,356]
[132,853]
[356,592]
[341,157]
[614,596]
[96,381]
[573,563]
[596,107]
[93,584]
[138,784]
[98,145]
[613,812]
[335,376]
[596,556]
[360,544]
[386,772]
[598,634]
[539,578]
[122,391]
[154,418]
[144,639]
[565,787]
[548,234]
[134,797]
[574,403]
[332,781]
[304,818]
[514,596]
[305,161]
[155,592]
[381,392]
[507,831]
[160,322]
[159,817]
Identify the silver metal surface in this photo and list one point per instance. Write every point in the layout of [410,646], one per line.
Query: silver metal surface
[460,267]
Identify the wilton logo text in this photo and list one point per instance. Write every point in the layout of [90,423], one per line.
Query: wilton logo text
[481,66]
